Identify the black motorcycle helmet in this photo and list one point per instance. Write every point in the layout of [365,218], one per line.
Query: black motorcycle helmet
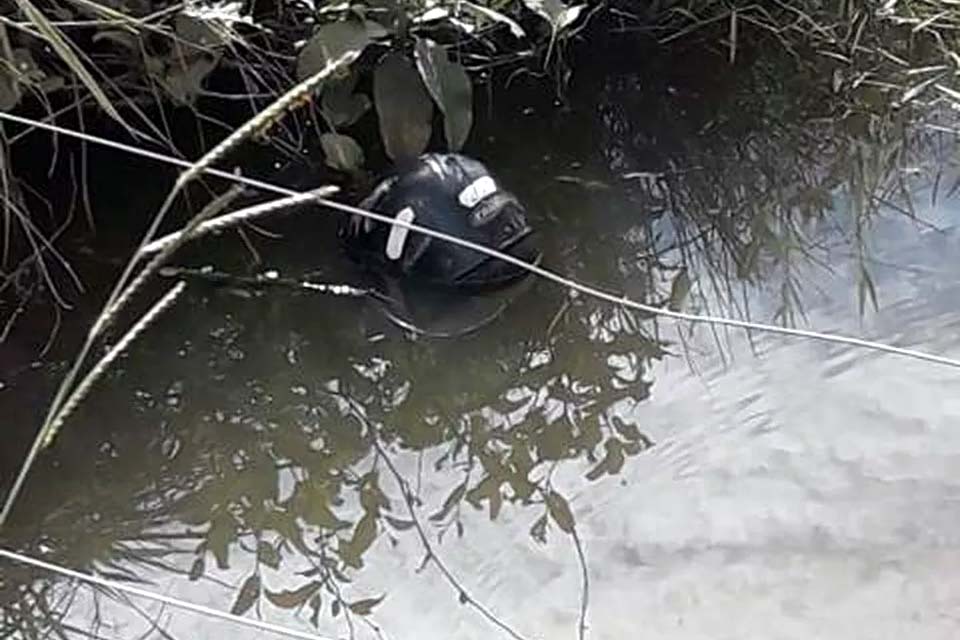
[453,194]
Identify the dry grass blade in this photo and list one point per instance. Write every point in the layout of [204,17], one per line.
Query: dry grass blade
[52,35]
[241,215]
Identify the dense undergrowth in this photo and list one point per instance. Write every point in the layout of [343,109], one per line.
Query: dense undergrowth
[134,62]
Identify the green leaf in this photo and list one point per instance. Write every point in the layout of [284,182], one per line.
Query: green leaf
[248,595]
[329,42]
[560,512]
[404,108]
[268,554]
[365,607]
[340,105]
[450,87]
[335,608]
[342,152]
[292,599]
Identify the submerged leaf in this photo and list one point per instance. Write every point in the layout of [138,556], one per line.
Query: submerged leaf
[342,152]
[404,108]
[248,595]
[450,87]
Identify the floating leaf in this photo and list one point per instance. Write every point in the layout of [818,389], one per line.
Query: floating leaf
[365,607]
[268,554]
[404,108]
[197,569]
[329,42]
[560,511]
[292,599]
[451,89]
[342,152]
[248,595]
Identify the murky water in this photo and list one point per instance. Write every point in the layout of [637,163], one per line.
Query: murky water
[280,455]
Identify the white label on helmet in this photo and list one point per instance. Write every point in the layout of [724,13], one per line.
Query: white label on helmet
[398,234]
[477,191]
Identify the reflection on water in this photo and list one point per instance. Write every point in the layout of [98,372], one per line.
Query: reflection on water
[301,459]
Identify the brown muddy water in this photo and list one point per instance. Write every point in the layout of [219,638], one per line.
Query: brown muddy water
[279,455]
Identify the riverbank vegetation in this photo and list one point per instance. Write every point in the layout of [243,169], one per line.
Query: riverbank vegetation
[132,67]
